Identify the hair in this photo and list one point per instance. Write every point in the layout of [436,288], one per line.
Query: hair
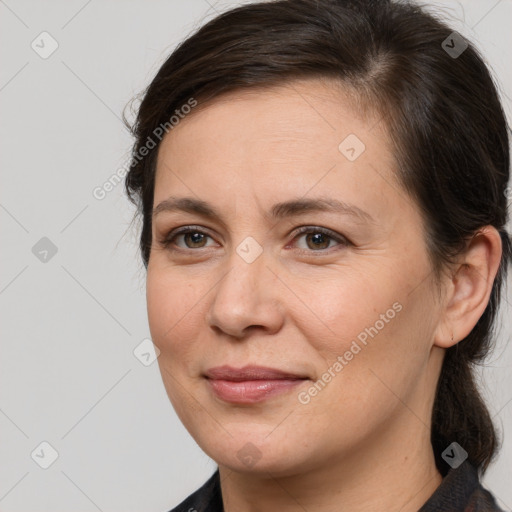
[443,116]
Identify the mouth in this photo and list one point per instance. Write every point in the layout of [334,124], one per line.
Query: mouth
[250,384]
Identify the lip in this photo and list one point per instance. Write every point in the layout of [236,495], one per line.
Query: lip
[250,372]
[250,384]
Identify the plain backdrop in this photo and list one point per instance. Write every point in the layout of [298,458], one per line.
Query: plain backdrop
[73,394]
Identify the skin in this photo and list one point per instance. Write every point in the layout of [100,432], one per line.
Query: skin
[363,441]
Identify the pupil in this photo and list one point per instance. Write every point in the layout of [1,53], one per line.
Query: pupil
[318,239]
[195,237]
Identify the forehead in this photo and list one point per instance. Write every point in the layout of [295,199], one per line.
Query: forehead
[275,141]
[297,121]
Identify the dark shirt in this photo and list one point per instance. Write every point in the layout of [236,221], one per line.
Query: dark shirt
[460,491]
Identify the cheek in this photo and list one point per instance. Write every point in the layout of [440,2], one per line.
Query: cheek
[174,318]
[174,308]
[360,331]
[375,355]
[334,312]
[362,372]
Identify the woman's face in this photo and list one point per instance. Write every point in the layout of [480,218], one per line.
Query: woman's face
[346,309]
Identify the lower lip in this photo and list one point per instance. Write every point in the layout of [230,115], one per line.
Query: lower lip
[251,391]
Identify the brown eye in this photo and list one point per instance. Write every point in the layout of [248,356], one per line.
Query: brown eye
[186,238]
[194,239]
[319,239]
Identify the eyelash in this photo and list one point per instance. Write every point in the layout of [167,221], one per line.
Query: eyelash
[342,241]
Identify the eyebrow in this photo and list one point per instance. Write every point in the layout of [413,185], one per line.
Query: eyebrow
[281,210]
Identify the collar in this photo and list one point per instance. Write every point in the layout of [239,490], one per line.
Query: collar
[459,491]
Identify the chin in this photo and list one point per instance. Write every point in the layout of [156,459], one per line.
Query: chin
[264,454]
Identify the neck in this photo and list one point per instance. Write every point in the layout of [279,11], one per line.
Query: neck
[383,475]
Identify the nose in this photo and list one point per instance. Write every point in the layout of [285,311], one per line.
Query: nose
[246,298]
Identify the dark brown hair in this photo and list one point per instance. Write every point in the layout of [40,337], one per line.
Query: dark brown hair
[441,110]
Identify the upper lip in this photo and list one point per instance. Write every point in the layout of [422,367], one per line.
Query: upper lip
[250,373]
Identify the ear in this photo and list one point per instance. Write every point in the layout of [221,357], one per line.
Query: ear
[469,287]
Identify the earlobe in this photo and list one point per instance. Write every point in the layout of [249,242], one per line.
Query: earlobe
[469,288]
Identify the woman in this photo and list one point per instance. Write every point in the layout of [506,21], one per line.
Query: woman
[322,190]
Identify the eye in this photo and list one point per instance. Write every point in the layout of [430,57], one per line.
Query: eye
[318,239]
[192,237]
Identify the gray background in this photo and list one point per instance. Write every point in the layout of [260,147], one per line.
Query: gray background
[70,324]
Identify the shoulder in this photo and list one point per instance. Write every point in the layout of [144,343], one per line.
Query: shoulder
[461,491]
[205,499]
